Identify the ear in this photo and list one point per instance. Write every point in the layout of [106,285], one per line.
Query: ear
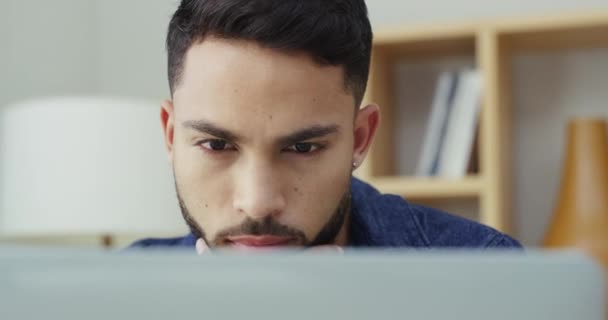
[366,123]
[167,119]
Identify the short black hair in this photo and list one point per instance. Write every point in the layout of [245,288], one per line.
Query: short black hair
[332,32]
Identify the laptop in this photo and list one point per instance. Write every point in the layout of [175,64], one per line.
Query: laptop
[387,284]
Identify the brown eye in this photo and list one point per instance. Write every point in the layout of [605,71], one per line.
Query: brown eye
[303,147]
[216,145]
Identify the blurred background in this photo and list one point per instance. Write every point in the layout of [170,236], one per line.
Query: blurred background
[115,49]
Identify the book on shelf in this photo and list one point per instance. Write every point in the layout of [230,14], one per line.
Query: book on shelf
[435,130]
[452,128]
[461,126]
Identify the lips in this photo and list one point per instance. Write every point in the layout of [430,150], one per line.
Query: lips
[259,242]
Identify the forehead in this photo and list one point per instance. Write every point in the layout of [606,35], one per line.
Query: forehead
[238,83]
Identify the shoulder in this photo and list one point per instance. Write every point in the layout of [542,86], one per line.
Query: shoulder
[389,220]
[446,230]
[159,243]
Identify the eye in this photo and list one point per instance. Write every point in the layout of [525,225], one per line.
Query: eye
[304,147]
[216,145]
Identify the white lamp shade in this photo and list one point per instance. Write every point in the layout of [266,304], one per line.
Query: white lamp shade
[85,166]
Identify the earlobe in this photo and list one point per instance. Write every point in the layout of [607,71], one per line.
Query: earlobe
[366,124]
[167,122]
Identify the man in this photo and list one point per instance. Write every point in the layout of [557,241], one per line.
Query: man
[265,128]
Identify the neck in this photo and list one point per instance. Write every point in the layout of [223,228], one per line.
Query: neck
[343,236]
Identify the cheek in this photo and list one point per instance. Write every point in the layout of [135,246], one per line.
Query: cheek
[317,194]
[204,188]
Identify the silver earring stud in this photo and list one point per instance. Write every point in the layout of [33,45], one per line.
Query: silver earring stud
[354,164]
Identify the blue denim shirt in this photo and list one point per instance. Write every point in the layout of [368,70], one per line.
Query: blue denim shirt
[381,220]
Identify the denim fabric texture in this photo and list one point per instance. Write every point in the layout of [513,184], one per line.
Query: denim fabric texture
[383,220]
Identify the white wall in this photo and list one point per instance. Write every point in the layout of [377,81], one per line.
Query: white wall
[80,47]
[131,47]
[4,34]
[116,47]
[47,48]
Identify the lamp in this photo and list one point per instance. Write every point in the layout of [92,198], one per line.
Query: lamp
[85,166]
[581,215]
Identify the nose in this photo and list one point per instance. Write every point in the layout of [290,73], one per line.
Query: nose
[258,191]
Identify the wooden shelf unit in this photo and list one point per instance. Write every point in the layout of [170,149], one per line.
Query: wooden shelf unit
[493,44]
[430,188]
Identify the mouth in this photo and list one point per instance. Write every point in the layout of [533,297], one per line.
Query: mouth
[257,243]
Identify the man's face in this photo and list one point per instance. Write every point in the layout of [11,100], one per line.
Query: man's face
[261,144]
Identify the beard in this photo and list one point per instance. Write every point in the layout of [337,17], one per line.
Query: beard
[270,226]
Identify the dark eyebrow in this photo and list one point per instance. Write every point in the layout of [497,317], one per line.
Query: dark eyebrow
[316,131]
[211,129]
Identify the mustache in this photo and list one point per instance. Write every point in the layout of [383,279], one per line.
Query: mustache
[266,226]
